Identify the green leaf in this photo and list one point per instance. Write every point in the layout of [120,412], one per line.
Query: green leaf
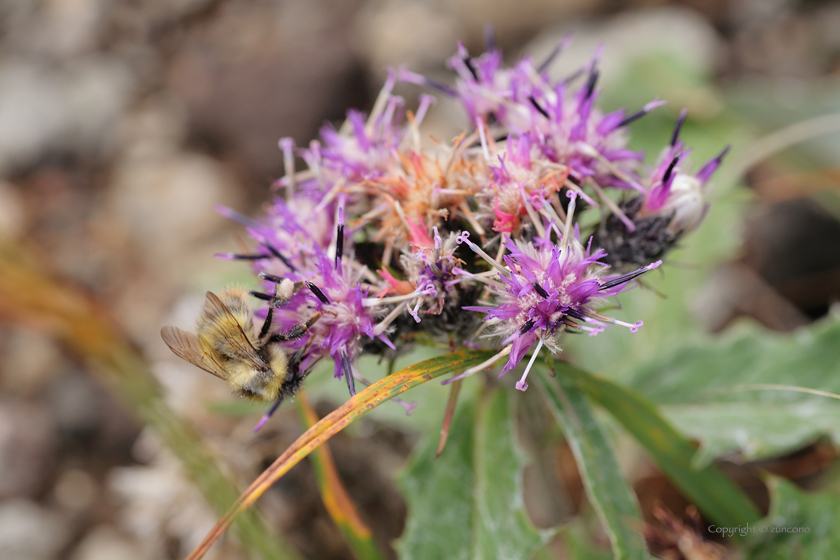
[799,525]
[706,486]
[730,394]
[467,504]
[579,545]
[608,491]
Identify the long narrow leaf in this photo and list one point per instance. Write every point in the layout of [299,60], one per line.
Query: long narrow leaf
[31,295]
[467,503]
[341,508]
[711,490]
[364,401]
[608,490]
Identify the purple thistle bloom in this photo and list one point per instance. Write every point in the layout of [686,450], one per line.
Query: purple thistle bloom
[346,319]
[289,237]
[520,183]
[410,201]
[675,194]
[430,269]
[547,289]
[364,146]
[567,128]
[672,203]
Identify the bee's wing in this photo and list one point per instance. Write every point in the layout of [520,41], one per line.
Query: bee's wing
[236,338]
[185,345]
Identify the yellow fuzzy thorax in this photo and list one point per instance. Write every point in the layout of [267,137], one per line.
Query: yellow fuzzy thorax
[253,372]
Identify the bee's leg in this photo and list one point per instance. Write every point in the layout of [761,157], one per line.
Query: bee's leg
[294,359]
[297,331]
[267,323]
[283,291]
[266,326]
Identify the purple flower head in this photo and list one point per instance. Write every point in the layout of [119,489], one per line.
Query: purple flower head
[672,203]
[570,130]
[363,147]
[347,319]
[430,271]
[565,126]
[674,193]
[484,87]
[547,288]
[520,183]
[289,236]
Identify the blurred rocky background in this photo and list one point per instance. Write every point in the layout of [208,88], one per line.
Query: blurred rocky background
[124,123]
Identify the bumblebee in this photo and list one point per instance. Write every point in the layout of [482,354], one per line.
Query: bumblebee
[228,345]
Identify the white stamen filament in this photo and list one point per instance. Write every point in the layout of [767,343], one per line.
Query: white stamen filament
[288,146]
[592,330]
[548,211]
[480,367]
[378,105]
[375,213]
[315,163]
[632,326]
[387,253]
[380,328]
[522,385]
[501,252]
[304,175]
[426,101]
[484,277]
[531,214]
[415,132]
[480,124]
[611,320]
[329,197]
[375,301]
[570,214]
[478,250]
[388,117]
[573,187]
[462,145]
[555,203]
[470,217]
[369,276]
[398,208]
[454,192]
[628,223]
[592,152]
